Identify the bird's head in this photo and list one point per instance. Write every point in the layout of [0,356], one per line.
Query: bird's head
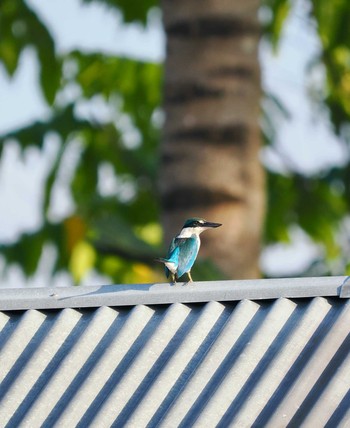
[196,226]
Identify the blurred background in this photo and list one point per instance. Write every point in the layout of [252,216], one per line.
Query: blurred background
[120,119]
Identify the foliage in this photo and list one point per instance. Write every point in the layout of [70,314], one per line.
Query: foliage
[319,204]
[116,231]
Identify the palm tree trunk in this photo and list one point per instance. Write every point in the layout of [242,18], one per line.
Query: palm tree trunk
[210,151]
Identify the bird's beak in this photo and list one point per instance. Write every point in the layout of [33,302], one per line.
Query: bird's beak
[210,224]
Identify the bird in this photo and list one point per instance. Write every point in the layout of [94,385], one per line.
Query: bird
[183,249]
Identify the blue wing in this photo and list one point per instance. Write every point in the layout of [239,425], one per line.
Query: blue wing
[188,250]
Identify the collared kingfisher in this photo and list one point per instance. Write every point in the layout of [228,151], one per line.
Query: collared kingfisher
[184,248]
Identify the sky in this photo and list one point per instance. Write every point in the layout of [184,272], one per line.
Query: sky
[306,141]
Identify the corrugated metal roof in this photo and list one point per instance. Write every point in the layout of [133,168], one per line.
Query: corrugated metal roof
[269,362]
[154,294]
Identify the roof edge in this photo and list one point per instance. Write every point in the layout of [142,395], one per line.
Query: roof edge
[158,294]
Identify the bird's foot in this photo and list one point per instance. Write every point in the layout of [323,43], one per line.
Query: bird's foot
[173,279]
[189,277]
[190,280]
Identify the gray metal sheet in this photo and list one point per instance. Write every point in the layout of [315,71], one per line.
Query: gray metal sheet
[153,294]
[275,363]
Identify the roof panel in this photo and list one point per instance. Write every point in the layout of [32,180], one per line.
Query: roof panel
[67,373]
[276,363]
[105,367]
[317,369]
[228,363]
[233,335]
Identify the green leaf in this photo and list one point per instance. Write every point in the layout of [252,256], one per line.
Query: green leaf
[113,235]
[132,10]
[279,12]
[21,28]
[63,122]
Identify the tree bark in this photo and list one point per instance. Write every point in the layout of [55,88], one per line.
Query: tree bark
[210,164]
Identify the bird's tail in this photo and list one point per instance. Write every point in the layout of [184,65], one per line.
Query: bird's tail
[162,260]
[170,267]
